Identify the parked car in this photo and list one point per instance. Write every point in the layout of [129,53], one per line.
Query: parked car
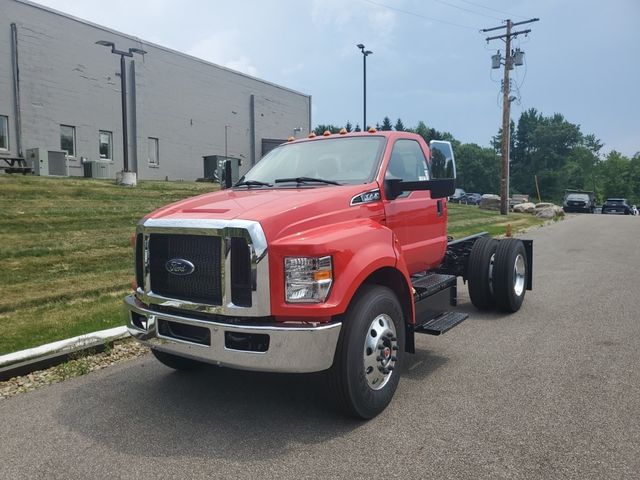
[618,206]
[471,199]
[577,201]
[458,195]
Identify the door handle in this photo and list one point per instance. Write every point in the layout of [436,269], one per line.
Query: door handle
[439,207]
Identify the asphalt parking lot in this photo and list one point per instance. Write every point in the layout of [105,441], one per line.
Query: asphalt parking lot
[552,391]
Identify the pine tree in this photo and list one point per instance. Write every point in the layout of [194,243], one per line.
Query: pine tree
[348,127]
[357,129]
[399,127]
[386,124]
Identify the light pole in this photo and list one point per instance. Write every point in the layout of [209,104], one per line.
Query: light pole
[130,179]
[365,54]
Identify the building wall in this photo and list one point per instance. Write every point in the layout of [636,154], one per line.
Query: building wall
[183,101]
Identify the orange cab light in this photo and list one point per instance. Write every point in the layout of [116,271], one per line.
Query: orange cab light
[291,139]
[343,131]
[134,285]
[372,130]
[322,275]
[312,135]
[132,240]
[326,133]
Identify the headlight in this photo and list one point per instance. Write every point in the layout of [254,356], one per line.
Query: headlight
[307,279]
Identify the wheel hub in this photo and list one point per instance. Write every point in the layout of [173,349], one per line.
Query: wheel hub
[519,273]
[380,347]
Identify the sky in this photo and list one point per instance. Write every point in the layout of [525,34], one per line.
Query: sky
[429,61]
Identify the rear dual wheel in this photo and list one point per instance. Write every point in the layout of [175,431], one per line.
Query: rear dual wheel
[497,274]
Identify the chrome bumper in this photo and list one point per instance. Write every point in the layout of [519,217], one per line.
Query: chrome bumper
[291,348]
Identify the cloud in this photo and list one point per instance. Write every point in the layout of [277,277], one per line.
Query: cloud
[224,48]
[349,16]
[287,71]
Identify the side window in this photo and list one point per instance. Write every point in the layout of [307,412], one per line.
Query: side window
[407,162]
[4,132]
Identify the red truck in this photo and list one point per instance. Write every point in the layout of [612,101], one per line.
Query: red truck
[329,255]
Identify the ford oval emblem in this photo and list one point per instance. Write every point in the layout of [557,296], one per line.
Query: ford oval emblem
[179,266]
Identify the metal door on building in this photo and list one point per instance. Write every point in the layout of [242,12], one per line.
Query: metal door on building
[269,144]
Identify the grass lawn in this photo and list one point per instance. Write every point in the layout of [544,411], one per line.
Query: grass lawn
[66,258]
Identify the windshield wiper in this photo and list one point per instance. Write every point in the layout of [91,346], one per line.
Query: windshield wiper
[305,180]
[253,183]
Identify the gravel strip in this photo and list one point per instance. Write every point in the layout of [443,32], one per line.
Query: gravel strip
[120,351]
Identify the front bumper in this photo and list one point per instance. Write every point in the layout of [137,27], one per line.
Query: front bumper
[294,348]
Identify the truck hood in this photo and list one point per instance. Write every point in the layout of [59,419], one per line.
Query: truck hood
[280,211]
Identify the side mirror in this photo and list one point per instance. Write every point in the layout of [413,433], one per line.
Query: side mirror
[443,163]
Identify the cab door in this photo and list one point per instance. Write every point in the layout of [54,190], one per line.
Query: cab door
[418,221]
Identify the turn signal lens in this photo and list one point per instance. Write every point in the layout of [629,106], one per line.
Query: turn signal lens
[326,133]
[372,130]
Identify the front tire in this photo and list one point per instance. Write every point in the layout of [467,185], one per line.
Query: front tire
[176,362]
[370,353]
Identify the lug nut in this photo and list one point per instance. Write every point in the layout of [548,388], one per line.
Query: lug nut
[378,358]
[393,359]
[389,334]
[394,347]
[390,367]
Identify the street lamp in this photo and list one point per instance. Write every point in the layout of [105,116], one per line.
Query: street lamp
[365,54]
[123,92]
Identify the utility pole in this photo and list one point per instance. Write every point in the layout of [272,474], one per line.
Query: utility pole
[506,99]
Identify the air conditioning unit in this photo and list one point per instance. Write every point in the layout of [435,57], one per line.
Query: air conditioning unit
[97,169]
[48,162]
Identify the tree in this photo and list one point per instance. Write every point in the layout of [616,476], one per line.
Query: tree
[320,129]
[399,126]
[348,127]
[386,124]
[478,168]
[357,129]
[614,174]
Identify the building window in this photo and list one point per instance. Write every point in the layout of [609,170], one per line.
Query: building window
[106,145]
[68,139]
[153,153]
[4,132]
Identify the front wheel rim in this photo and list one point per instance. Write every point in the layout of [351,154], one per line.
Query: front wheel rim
[380,351]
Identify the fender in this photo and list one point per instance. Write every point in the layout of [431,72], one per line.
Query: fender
[358,248]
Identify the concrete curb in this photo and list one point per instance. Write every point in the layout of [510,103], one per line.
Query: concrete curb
[31,359]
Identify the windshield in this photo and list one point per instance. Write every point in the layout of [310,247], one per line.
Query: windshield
[344,160]
[583,197]
[615,201]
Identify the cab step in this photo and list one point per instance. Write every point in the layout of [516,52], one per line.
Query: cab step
[441,323]
[428,284]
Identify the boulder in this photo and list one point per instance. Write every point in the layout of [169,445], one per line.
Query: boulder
[551,211]
[526,207]
[490,202]
[540,206]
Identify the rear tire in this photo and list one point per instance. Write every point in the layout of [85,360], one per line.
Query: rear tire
[510,275]
[479,273]
[176,362]
[371,342]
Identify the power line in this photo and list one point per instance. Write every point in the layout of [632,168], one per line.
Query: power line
[466,9]
[492,9]
[425,17]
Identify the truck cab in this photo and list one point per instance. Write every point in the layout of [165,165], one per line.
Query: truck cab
[329,254]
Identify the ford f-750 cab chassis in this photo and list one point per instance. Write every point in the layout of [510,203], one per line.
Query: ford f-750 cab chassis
[330,254]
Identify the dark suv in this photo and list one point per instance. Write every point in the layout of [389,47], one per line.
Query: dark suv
[578,202]
[618,206]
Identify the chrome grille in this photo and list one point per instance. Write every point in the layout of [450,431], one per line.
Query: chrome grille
[204,284]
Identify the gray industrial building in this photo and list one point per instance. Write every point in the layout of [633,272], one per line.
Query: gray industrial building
[59,91]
